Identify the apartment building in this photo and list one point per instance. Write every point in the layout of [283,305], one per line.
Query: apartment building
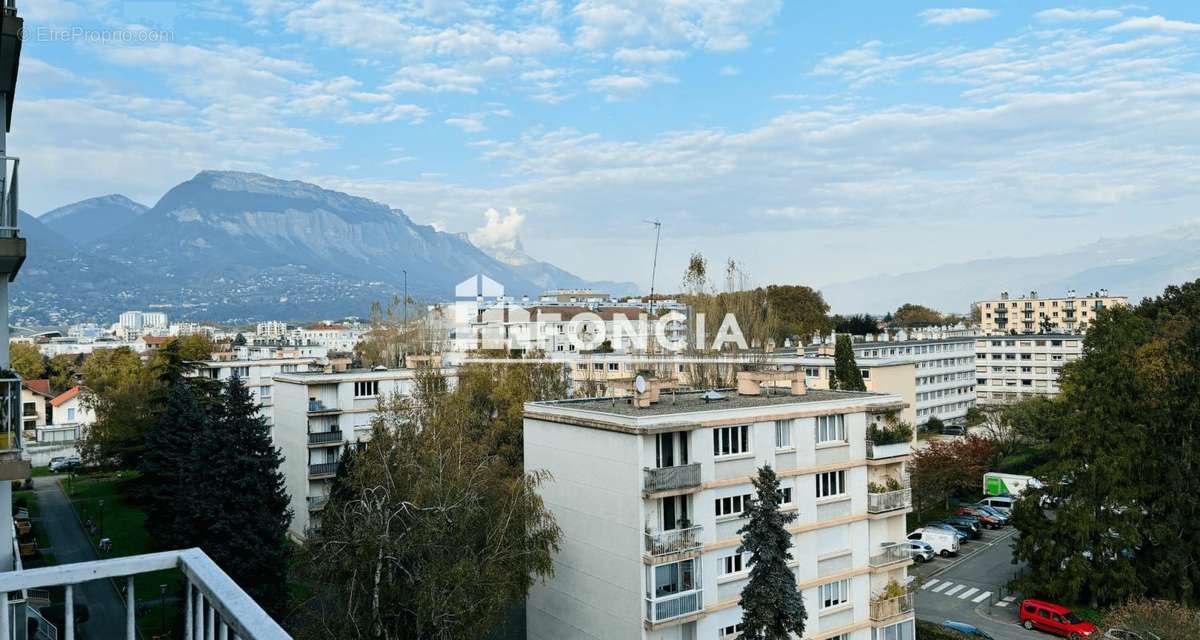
[1009,368]
[649,492]
[258,375]
[944,370]
[1033,314]
[316,416]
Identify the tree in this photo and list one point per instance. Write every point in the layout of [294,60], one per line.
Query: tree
[122,397]
[63,371]
[946,468]
[1168,620]
[846,375]
[27,360]
[238,500]
[239,340]
[493,397]
[856,325]
[427,534]
[174,501]
[934,424]
[772,607]
[796,311]
[914,315]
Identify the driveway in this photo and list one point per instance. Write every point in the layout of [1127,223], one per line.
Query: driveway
[972,588]
[70,544]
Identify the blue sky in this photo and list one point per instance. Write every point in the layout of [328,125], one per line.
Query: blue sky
[812,141]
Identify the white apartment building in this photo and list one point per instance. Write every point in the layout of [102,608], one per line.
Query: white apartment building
[318,415]
[649,493]
[271,330]
[258,376]
[1009,368]
[1033,314]
[945,371]
[333,337]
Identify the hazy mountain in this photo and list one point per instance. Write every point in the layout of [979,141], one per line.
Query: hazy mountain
[1136,267]
[240,246]
[548,276]
[92,219]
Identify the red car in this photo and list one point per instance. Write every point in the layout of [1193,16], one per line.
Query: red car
[986,519]
[1056,619]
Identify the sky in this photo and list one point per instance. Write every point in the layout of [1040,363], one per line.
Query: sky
[812,142]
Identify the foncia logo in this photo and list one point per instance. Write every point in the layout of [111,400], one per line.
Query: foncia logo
[476,300]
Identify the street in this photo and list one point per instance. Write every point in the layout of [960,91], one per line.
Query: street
[972,588]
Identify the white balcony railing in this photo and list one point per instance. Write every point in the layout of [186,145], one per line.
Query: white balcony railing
[883,451]
[668,478]
[9,202]
[892,607]
[661,543]
[215,607]
[890,501]
[674,606]
[891,554]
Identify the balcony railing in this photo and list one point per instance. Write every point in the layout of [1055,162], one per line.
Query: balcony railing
[891,554]
[316,503]
[9,205]
[316,406]
[215,606]
[322,469]
[890,501]
[325,437]
[892,607]
[881,451]
[674,606]
[661,543]
[10,411]
[668,478]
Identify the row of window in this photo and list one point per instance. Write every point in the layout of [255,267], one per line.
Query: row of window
[735,440]
[737,505]
[945,393]
[945,377]
[912,350]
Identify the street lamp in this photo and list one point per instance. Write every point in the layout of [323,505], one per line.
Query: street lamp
[101,518]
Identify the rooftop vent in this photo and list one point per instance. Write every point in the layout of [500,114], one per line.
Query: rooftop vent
[712,395]
[379,367]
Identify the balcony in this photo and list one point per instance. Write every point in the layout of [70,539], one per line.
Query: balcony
[326,438]
[10,411]
[319,408]
[670,478]
[12,246]
[674,606]
[889,501]
[216,607]
[316,503]
[891,553]
[661,543]
[884,451]
[322,470]
[892,607]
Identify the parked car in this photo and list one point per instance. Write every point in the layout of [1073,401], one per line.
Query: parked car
[944,543]
[67,463]
[954,430]
[1003,504]
[950,529]
[985,518]
[1126,634]
[1055,619]
[968,528]
[970,631]
[921,551]
[1003,517]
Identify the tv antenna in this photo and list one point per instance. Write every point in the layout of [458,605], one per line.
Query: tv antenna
[654,266]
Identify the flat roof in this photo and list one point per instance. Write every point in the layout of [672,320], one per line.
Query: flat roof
[919,341]
[693,402]
[320,377]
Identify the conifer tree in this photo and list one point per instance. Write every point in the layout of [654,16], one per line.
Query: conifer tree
[846,375]
[167,463]
[772,607]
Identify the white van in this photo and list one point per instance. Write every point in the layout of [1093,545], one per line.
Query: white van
[1003,504]
[944,542]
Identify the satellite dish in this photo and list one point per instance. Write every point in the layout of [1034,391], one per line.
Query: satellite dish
[639,383]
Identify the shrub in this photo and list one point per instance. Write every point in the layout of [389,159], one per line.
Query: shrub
[889,434]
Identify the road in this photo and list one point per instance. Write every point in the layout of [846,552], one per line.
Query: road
[70,544]
[970,588]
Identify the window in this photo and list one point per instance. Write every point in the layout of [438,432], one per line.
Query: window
[785,495]
[287,368]
[728,441]
[29,409]
[831,483]
[729,564]
[264,392]
[71,414]
[732,505]
[241,372]
[831,428]
[366,389]
[732,631]
[898,631]
[866,374]
[783,434]
[614,366]
[833,594]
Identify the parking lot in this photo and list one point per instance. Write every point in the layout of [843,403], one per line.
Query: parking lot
[972,588]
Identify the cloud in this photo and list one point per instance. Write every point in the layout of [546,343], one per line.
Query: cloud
[431,78]
[469,124]
[618,87]
[960,15]
[1076,15]
[715,25]
[499,231]
[1154,23]
[729,70]
[410,113]
[647,55]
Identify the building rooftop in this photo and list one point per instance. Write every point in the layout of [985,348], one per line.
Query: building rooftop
[320,377]
[693,402]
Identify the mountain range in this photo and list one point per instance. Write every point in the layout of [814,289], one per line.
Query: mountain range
[1137,267]
[238,247]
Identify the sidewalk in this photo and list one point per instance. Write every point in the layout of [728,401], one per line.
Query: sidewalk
[71,544]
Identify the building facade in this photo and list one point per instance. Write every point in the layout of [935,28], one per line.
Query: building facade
[1009,368]
[258,375]
[1033,314]
[650,494]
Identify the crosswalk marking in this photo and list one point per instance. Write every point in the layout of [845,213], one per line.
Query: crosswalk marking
[941,586]
[1002,604]
[955,590]
[930,583]
[981,597]
[968,593]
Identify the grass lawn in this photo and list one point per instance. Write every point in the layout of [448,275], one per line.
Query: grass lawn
[42,472]
[122,521]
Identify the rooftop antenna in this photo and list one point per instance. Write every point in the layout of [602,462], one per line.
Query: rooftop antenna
[654,267]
